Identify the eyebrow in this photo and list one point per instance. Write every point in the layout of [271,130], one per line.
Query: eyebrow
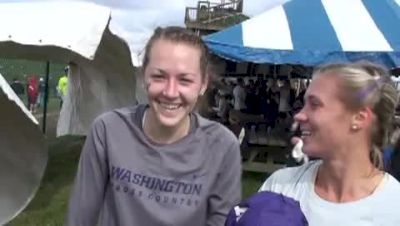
[180,74]
[160,71]
[312,97]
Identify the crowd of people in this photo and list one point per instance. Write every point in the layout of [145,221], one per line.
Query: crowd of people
[271,98]
[33,90]
[164,164]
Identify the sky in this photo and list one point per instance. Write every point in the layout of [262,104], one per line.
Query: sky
[134,20]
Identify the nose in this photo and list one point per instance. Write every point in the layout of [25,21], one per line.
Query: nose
[171,89]
[300,116]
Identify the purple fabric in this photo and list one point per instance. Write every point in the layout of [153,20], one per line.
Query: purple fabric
[268,209]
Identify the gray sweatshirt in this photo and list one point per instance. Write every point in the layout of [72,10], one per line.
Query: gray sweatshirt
[125,179]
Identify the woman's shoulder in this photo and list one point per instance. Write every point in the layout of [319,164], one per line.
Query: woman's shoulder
[387,198]
[125,114]
[393,184]
[290,177]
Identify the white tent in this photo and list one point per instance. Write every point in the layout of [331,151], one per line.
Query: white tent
[101,76]
[23,154]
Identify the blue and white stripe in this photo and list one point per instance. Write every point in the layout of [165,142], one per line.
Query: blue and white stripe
[311,32]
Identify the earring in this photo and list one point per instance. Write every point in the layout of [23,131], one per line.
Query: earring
[354,127]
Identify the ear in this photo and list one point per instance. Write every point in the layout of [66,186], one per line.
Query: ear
[362,119]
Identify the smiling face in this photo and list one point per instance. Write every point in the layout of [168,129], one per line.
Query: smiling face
[325,121]
[174,81]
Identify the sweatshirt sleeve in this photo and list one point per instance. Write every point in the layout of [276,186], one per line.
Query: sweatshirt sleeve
[226,191]
[88,191]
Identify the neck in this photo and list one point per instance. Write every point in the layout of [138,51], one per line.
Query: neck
[164,134]
[349,178]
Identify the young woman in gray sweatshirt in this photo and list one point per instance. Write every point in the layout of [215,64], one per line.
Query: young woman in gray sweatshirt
[159,164]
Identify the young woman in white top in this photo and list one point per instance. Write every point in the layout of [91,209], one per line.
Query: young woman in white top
[345,123]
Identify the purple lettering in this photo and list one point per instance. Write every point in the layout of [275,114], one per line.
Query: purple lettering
[116,172]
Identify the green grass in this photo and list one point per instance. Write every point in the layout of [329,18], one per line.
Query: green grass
[251,182]
[53,105]
[49,206]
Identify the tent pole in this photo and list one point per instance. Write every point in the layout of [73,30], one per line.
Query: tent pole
[46,97]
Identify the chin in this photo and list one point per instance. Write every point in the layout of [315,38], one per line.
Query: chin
[171,120]
[312,151]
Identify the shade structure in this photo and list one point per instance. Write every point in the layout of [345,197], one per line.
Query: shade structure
[77,33]
[313,32]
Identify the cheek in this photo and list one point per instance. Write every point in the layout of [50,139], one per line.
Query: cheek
[190,94]
[333,130]
[154,88]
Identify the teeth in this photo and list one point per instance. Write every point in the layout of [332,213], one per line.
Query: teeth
[170,106]
[305,133]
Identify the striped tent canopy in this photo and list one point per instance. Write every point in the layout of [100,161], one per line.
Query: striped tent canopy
[313,32]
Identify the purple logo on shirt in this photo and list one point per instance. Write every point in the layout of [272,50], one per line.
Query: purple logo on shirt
[156,188]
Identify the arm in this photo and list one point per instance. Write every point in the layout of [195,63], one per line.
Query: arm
[226,191]
[91,179]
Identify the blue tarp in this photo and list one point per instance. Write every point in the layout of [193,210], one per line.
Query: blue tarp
[312,32]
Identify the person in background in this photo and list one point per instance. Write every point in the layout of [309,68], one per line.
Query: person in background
[62,87]
[32,92]
[252,98]
[270,105]
[391,155]
[239,96]
[160,164]
[223,108]
[17,86]
[299,100]
[394,163]
[286,98]
[345,123]
[40,99]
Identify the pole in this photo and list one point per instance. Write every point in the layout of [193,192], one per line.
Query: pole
[46,97]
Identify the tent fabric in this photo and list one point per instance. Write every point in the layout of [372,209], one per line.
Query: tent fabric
[312,32]
[51,23]
[75,33]
[97,86]
[23,154]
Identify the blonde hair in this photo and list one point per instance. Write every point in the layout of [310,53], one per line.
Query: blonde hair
[365,84]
